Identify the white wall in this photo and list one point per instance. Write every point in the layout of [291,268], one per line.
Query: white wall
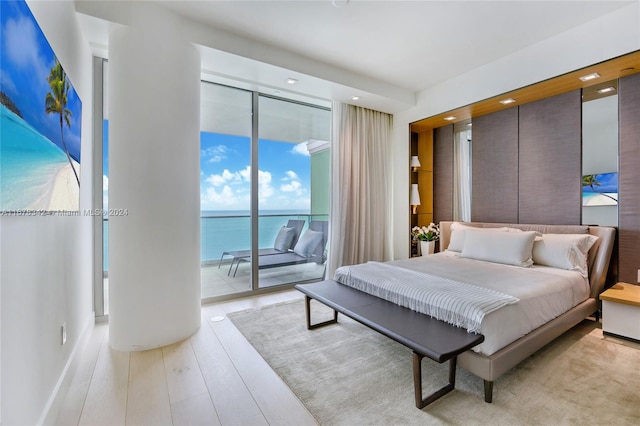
[604,38]
[46,261]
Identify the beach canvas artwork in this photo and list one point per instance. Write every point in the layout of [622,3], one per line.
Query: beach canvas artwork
[600,190]
[41,116]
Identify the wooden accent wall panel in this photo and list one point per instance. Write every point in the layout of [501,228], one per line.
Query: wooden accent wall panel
[443,173]
[425,178]
[629,177]
[550,160]
[494,196]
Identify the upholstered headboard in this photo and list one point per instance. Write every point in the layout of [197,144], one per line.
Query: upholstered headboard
[599,254]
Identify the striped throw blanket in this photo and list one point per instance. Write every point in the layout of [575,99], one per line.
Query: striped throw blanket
[463,305]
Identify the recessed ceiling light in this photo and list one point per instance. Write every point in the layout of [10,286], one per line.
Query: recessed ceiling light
[292,80]
[507,101]
[355,98]
[590,76]
[451,117]
[606,90]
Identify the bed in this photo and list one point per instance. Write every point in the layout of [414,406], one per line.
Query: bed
[523,304]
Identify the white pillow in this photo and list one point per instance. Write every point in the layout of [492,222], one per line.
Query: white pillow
[308,243]
[456,238]
[564,251]
[511,248]
[284,239]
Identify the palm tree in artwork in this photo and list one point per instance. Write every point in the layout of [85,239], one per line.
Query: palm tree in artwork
[56,102]
[592,181]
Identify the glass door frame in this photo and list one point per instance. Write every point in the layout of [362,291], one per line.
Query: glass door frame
[254,210]
[97,185]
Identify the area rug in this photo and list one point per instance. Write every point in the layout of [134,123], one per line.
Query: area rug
[347,374]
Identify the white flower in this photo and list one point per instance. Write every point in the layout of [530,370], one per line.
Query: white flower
[426,233]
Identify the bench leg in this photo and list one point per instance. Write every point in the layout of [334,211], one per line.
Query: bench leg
[307,308]
[488,391]
[417,381]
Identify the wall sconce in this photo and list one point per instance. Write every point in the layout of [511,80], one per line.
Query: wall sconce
[414,163]
[414,198]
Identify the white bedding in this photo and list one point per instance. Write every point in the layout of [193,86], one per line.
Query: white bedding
[461,304]
[543,292]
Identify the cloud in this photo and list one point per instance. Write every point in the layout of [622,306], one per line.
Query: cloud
[246,174]
[230,189]
[224,178]
[291,187]
[20,37]
[214,154]
[292,183]
[21,43]
[225,198]
[105,192]
[266,190]
[8,85]
[291,175]
[264,178]
[300,149]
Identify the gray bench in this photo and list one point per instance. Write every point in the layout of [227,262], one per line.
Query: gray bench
[424,335]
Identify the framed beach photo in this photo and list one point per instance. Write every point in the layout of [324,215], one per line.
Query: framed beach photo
[41,117]
[600,189]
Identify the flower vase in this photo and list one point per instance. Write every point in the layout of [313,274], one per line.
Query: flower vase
[427,247]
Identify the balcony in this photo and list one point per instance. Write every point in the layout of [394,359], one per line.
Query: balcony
[227,232]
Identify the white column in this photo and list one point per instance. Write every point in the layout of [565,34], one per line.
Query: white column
[154,173]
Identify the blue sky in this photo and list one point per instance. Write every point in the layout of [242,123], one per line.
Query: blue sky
[26,59]
[608,183]
[284,173]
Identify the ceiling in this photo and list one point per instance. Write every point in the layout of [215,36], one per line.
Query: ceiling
[383,51]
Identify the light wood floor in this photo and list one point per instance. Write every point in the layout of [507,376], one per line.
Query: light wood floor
[213,378]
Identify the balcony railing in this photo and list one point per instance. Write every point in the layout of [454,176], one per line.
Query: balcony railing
[220,233]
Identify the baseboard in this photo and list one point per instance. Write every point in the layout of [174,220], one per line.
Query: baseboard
[619,336]
[50,412]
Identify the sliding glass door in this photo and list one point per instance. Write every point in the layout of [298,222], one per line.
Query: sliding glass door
[225,189]
[292,137]
[260,159]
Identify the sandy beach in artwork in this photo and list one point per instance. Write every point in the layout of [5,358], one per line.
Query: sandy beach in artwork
[62,191]
[595,199]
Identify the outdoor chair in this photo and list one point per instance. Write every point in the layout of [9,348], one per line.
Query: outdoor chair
[309,248]
[285,240]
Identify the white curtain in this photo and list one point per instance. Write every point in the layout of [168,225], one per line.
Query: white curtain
[462,176]
[360,213]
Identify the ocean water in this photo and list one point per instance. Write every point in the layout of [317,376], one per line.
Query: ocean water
[224,230]
[28,162]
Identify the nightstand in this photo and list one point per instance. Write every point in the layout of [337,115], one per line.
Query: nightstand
[621,311]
